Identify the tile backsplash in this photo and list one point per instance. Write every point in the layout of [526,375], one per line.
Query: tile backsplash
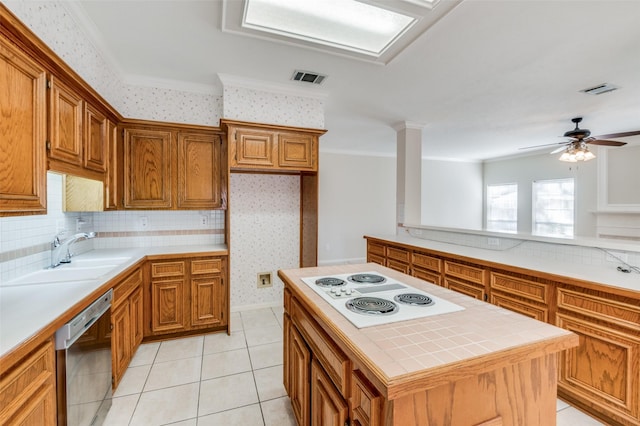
[25,241]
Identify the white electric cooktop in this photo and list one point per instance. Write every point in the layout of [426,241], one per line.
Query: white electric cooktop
[370,298]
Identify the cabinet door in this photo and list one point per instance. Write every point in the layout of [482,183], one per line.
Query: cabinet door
[147,168]
[251,148]
[427,275]
[120,341]
[23,168]
[328,408]
[206,301]
[65,123]
[470,289]
[136,313]
[299,363]
[28,390]
[366,402]
[199,171]
[297,151]
[167,306]
[95,139]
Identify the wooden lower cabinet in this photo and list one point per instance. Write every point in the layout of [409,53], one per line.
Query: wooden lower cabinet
[126,323]
[470,289]
[602,375]
[329,407]
[299,361]
[187,294]
[28,389]
[365,402]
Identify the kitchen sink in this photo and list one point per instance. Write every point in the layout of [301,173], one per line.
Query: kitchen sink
[71,272]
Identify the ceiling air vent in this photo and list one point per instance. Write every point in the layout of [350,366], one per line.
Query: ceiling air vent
[308,77]
[600,89]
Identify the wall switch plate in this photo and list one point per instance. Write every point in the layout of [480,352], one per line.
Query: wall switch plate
[143,222]
[264,280]
[492,241]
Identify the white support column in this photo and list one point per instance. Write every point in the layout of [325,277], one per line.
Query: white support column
[409,172]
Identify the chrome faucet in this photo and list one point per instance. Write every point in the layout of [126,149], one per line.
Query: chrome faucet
[60,250]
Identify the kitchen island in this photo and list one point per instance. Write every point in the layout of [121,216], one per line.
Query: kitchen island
[482,365]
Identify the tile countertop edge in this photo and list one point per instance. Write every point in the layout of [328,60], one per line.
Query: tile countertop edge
[402,382]
[587,274]
[11,351]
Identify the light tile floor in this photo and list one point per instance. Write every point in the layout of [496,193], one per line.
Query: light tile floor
[218,379]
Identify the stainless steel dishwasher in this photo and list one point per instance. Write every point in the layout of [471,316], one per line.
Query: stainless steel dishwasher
[83,365]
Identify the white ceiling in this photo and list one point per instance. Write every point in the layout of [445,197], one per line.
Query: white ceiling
[490,77]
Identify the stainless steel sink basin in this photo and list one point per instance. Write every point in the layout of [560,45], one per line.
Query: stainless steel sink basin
[66,273]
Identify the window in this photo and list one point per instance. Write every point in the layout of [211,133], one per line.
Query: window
[502,208]
[553,207]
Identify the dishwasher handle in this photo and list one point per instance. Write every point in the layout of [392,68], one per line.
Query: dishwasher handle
[71,331]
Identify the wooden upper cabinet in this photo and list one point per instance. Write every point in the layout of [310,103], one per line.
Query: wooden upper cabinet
[147,168]
[298,151]
[264,147]
[253,148]
[78,133]
[199,171]
[65,123]
[96,127]
[23,167]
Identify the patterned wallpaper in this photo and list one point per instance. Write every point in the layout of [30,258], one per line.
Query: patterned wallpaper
[265,234]
[149,103]
[273,108]
[52,23]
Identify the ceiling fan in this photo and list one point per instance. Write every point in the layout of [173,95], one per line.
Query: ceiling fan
[576,148]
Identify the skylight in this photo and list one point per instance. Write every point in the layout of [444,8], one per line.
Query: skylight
[369,30]
[345,24]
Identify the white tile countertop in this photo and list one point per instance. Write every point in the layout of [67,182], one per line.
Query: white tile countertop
[606,275]
[26,308]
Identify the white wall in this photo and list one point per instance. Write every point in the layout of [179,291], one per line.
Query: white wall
[452,194]
[356,197]
[525,170]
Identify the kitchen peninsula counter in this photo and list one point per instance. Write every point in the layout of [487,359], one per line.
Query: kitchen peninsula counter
[483,364]
[555,268]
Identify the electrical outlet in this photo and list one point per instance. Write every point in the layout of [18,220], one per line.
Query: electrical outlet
[264,280]
[204,220]
[143,222]
[493,241]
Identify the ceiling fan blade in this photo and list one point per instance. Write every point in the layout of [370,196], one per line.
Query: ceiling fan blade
[606,142]
[546,144]
[557,150]
[619,135]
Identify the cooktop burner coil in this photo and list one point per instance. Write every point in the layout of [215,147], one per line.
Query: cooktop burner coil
[367,279]
[371,306]
[330,282]
[414,299]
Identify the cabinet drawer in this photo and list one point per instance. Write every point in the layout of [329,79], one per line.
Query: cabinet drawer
[429,276]
[398,254]
[376,259]
[206,266]
[599,307]
[398,266]
[466,272]
[122,290]
[377,249]
[167,269]
[334,361]
[539,312]
[465,288]
[535,291]
[426,262]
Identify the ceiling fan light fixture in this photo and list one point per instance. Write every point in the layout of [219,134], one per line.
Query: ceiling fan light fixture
[577,152]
